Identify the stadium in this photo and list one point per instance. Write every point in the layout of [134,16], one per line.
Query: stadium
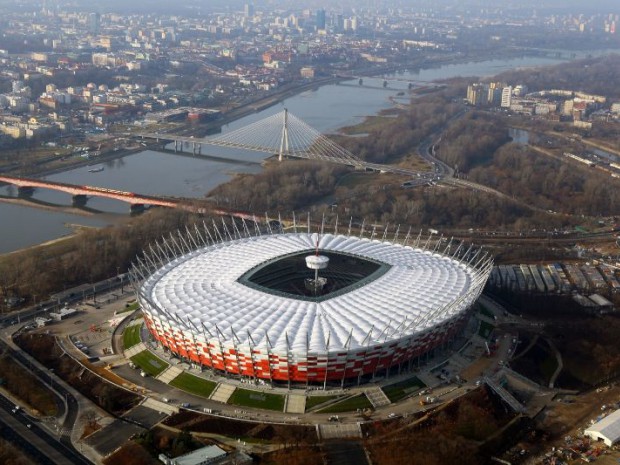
[306,308]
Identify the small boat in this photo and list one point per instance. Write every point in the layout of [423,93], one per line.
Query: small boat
[96,170]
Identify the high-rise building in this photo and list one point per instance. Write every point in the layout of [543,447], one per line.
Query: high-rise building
[248,10]
[477,94]
[94,23]
[494,96]
[320,19]
[507,97]
[340,22]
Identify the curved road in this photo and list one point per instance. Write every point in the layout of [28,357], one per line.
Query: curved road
[17,427]
[63,398]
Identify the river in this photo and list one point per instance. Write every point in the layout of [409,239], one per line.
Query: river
[325,109]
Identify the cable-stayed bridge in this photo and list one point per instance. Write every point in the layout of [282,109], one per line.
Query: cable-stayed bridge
[285,135]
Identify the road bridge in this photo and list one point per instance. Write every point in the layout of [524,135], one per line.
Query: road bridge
[285,135]
[81,193]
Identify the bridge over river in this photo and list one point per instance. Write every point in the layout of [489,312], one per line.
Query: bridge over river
[80,194]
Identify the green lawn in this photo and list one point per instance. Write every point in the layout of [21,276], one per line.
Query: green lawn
[348,405]
[193,384]
[149,363]
[257,399]
[486,312]
[131,336]
[313,401]
[399,391]
[131,307]
[485,329]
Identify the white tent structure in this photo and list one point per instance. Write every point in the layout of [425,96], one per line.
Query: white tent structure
[201,300]
[606,430]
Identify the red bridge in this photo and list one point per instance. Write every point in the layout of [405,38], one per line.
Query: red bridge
[80,193]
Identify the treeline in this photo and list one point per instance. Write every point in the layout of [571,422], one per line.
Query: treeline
[90,256]
[453,434]
[286,187]
[472,140]
[439,207]
[11,455]
[549,183]
[47,351]
[389,142]
[24,385]
[599,76]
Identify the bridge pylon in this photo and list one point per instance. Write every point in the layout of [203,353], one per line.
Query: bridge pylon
[284,146]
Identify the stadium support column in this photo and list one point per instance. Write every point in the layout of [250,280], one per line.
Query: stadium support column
[219,341]
[251,344]
[307,357]
[235,339]
[268,346]
[284,147]
[367,340]
[347,346]
[196,349]
[208,343]
[288,360]
[329,336]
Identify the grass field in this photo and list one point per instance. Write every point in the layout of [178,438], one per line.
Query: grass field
[399,391]
[129,308]
[149,363]
[193,384]
[370,123]
[485,329]
[349,405]
[313,401]
[131,336]
[246,398]
[486,312]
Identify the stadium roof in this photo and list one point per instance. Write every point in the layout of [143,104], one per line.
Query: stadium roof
[419,290]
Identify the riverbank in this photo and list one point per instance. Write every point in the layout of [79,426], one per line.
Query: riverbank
[265,102]
[324,106]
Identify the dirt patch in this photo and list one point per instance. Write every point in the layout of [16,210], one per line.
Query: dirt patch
[242,429]
[451,434]
[131,454]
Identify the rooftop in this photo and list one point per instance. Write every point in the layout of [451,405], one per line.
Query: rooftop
[392,291]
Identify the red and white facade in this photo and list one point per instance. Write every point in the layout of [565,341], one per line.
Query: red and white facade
[196,306]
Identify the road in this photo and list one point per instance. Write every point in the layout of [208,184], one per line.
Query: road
[67,404]
[28,434]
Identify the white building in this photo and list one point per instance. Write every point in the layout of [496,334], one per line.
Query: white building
[204,456]
[507,97]
[606,430]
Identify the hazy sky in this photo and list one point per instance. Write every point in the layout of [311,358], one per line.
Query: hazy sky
[579,6]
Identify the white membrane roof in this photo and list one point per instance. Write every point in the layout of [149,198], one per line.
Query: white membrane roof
[420,290]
